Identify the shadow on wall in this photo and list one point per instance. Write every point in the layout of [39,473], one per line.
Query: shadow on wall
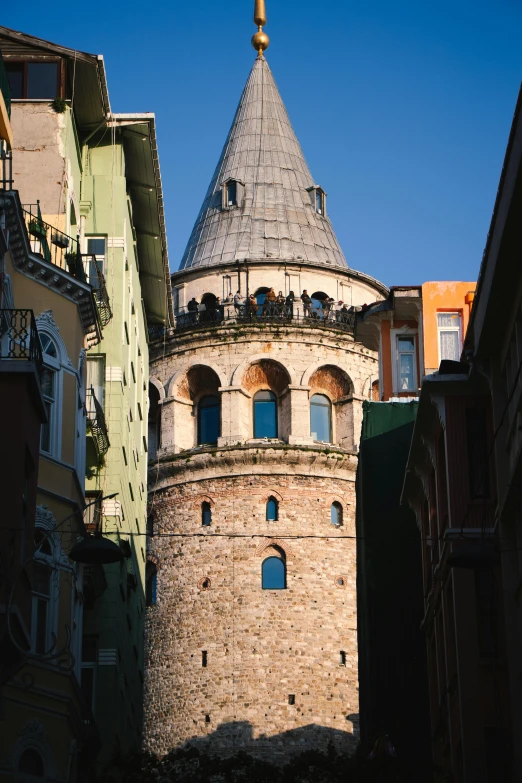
[231,738]
[230,754]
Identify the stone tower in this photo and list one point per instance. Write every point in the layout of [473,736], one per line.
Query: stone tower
[253,428]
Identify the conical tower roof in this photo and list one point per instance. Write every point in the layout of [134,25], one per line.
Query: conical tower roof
[275,218]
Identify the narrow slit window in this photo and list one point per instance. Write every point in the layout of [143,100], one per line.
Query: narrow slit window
[204,658]
[342,658]
[336,514]
[206,514]
[272,510]
[291,698]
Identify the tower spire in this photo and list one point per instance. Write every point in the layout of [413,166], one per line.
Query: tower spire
[260,40]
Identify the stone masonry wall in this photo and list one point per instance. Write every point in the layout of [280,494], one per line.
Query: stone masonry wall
[281,665]
[263,646]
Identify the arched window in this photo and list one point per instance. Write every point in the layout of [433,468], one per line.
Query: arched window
[321,418]
[31,763]
[48,381]
[319,298]
[336,514]
[151,582]
[208,420]
[265,414]
[154,428]
[273,574]
[260,296]
[206,514]
[272,510]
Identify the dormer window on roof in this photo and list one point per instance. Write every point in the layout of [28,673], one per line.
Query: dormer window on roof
[233,190]
[33,80]
[318,199]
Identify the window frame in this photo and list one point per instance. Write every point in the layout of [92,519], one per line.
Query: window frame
[283,563]
[199,440]
[204,512]
[273,401]
[395,335]
[340,513]
[273,500]
[101,259]
[450,329]
[330,416]
[53,364]
[25,62]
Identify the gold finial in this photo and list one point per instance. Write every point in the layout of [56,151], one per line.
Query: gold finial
[260,40]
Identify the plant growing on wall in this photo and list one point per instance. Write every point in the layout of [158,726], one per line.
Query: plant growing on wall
[59,105]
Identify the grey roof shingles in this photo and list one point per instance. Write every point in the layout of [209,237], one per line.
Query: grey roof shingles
[276,219]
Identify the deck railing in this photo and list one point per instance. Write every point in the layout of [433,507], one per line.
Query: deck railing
[19,339]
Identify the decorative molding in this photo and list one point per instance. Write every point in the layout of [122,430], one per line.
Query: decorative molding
[44,518]
[276,543]
[34,727]
[47,318]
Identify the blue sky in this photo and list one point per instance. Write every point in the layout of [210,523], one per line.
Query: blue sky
[403,108]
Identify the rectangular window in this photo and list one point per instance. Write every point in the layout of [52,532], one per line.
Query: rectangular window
[131,492]
[133,372]
[204,658]
[34,80]
[406,363]
[231,194]
[126,332]
[450,341]
[88,677]
[478,462]
[92,516]
[96,250]
[47,382]
[41,595]
[96,381]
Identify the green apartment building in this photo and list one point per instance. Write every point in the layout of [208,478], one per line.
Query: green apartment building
[85,171]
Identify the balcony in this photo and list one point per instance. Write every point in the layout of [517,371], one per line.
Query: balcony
[61,250]
[281,315]
[19,341]
[96,424]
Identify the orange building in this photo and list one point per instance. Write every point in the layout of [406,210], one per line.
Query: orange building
[413,330]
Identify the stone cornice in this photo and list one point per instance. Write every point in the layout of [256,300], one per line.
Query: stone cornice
[259,459]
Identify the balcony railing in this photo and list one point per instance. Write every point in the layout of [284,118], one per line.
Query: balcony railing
[6,167]
[278,315]
[96,423]
[96,280]
[53,245]
[63,251]
[5,89]
[19,339]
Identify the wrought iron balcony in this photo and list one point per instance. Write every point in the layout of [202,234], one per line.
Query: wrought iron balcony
[96,423]
[96,280]
[52,244]
[19,339]
[279,315]
[63,251]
